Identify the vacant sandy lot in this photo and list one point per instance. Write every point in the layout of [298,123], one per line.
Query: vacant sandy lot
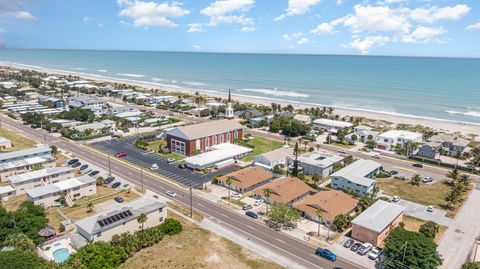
[197,248]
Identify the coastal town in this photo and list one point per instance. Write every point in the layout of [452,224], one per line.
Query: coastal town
[92,167]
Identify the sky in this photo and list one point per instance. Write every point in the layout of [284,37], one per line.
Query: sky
[438,28]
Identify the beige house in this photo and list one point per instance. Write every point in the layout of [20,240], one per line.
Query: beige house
[6,192]
[246,179]
[122,219]
[24,166]
[284,190]
[376,223]
[72,189]
[40,178]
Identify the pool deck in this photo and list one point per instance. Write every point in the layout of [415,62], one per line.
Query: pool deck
[48,249]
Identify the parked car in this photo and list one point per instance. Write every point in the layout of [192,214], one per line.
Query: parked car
[154,167]
[118,199]
[171,160]
[377,156]
[94,173]
[419,165]
[396,198]
[116,185]
[83,167]
[364,249]
[342,151]
[35,126]
[402,177]
[355,246]
[77,164]
[258,202]
[121,154]
[72,161]
[182,166]
[375,253]
[430,208]
[246,207]
[393,172]
[348,243]
[427,179]
[251,214]
[171,194]
[109,179]
[325,253]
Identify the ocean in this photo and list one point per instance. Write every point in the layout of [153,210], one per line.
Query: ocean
[440,88]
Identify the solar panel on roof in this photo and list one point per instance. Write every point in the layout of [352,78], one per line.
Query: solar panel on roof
[100,223]
[129,213]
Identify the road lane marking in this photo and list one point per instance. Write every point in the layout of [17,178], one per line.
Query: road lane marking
[280,240]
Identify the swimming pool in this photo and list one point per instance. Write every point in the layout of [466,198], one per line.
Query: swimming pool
[60,255]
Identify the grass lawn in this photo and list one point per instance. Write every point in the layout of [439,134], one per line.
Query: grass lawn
[14,202]
[155,145]
[18,142]
[413,224]
[424,194]
[176,156]
[261,145]
[197,248]
[61,159]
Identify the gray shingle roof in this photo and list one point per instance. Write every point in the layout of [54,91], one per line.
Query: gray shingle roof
[378,216]
[191,132]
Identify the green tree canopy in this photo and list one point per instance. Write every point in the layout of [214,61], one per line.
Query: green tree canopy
[429,229]
[412,250]
[24,260]
[283,214]
[98,255]
[471,265]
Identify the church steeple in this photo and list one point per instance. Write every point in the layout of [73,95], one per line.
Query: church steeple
[229,114]
[229,96]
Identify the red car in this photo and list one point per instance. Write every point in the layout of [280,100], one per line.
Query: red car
[121,154]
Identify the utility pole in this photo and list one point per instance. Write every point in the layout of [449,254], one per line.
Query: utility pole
[109,167]
[141,178]
[191,196]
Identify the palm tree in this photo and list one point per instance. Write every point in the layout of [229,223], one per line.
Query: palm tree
[316,179]
[375,191]
[453,175]
[90,207]
[317,146]
[319,213]
[465,180]
[305,143]
[415,180]
[229,183]
[267,193]
[142,218]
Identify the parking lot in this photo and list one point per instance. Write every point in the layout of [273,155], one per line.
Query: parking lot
[146,159]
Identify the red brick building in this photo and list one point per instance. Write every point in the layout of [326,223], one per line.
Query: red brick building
[187,139]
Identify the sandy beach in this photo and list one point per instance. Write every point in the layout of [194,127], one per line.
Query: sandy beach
[438,124]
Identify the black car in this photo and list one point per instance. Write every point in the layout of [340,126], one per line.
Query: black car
[251,214]
[72,161]
[419,165]
[35,126]
[94,173]
[83,167]
[393,172]
[77,164]
[182,166]
[116,185]
[118,199]
[355,246]
[349,243]
[109,179]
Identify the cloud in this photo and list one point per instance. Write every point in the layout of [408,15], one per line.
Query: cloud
[195,28]
[423,34]
[23,15]
[297,7]
[364,45]
[87,19]
[303,41]
[376,19]
[327,27]
[475,26]
[151,13]
[247,29]
[229,12]
[435,14]
[196,47]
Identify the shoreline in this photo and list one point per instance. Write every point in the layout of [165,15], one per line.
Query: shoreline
[437,124]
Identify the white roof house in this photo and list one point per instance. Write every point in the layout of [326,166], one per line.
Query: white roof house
[356,176]
[388,140]
[318,162]
[217,155]
[117,219]
[378,216]
[60,186]
[6,191]
[129,114]
[328,124]
[26,153]
[94,125]
[24,162]
[273,158]
[19,179]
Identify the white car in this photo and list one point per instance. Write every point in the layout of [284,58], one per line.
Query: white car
[375,253]
[396,198]
[342,151]
[364,249]
[171,160]
[171,194]
[154,167]
[376,156]
[430,208]
[427,179]
[257,202]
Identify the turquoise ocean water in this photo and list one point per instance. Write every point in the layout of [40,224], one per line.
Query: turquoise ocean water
[442,88]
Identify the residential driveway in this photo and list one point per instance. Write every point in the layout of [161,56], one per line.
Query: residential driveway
[146,159]
[420,211]
[460,237]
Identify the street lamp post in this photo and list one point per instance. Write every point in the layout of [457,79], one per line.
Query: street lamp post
[191,209]
[109,167]
[141,178]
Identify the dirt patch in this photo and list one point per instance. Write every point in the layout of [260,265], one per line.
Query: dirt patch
[197,248]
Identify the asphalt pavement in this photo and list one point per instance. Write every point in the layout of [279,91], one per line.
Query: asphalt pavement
[290,247]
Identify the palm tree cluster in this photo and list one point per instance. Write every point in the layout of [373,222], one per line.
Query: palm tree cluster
[459,184]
